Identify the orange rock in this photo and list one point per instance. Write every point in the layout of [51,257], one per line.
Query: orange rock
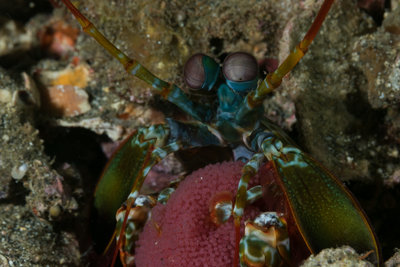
[63,92]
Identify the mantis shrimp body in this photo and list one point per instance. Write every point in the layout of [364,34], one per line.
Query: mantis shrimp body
[324,211]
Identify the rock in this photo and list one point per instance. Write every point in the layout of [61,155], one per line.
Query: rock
[338,257]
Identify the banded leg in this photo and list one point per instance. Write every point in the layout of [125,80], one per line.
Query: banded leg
[168,91]
[249,170]
[135,212]
[264,243]
[274,79]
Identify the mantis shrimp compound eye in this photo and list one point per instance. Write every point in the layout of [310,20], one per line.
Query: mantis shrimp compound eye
[201,72]
[241,71]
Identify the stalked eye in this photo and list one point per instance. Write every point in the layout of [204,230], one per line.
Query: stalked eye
[201,72]
[240,70]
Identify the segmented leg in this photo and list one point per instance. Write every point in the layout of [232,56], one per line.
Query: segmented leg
[249,170]
[266,240]
[134,214]
[170,92]
[274,79]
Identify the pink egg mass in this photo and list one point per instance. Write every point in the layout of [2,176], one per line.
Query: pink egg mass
[181,233]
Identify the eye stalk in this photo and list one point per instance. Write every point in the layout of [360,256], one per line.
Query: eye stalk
[201,72]
[240,70]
